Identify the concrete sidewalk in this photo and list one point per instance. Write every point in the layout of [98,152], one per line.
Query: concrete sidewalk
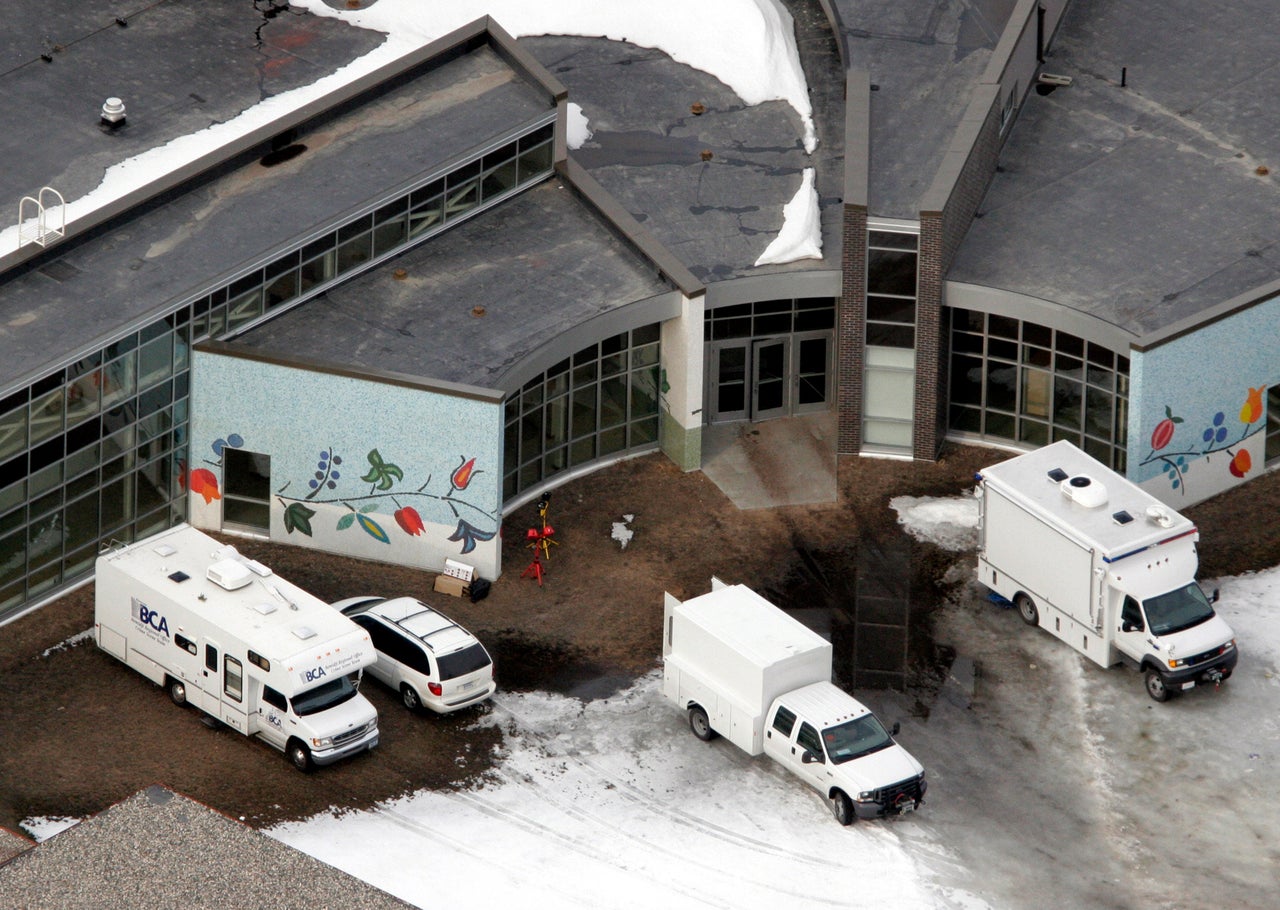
[784,462]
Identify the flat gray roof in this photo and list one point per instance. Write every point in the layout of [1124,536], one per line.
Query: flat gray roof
[160,849]
[718,215]
[1140,203]
[83,290]
[537,264]
[924,60]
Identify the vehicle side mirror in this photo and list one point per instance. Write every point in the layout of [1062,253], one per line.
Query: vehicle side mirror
[896,727]
[1214,598]
[1126,626]
[808,758]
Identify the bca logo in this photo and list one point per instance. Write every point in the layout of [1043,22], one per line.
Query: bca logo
[152,618]
[313,675]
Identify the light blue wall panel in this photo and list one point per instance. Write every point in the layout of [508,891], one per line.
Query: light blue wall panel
[358,467]
[1197,406]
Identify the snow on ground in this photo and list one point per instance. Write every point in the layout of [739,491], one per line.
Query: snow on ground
[950,522]
[43,827]
[754,53]
[615,803]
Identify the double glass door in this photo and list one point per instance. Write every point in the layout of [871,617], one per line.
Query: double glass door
[762,378]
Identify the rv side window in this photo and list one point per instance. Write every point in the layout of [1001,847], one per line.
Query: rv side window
[784,721]
[274,699]
[184,643]
[233,679]
[259,661]
[1131,614]
[211,658]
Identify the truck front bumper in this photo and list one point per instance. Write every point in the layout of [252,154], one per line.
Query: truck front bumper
[898,800]
[328,756]
[1213,671]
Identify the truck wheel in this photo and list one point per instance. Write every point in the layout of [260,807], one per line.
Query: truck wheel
[700,724]
[1027,610]
[841,807]
[299,755]
[177,692]
[1156,687]
[410,698]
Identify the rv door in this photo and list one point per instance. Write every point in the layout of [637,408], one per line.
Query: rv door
[222,686]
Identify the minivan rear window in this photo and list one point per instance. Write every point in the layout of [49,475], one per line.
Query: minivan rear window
[460,663]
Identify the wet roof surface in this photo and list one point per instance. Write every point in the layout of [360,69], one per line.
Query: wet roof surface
[535,264]
[1140,203]
[218,227]
[924,60]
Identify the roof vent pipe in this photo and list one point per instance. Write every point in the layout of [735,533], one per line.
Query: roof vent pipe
[113,112]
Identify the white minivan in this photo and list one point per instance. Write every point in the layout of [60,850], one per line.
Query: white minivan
[428,658]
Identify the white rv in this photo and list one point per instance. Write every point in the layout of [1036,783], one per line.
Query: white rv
[222,632]
[742,668]
[1101,564]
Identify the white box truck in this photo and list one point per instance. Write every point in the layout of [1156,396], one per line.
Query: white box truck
[742,668]
[1101,564]
[223,633]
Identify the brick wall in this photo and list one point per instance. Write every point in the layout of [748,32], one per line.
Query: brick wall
[851,319]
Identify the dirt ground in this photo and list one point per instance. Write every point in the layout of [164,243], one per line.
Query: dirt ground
[79,731]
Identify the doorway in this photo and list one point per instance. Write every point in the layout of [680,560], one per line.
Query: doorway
[763,378]
[246,495]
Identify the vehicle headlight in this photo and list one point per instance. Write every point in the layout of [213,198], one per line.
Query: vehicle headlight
[866,796]
[1175,662]
[321,742]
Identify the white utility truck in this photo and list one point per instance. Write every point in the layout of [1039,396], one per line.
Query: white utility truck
[1101,564]
[222,632]
[746,670]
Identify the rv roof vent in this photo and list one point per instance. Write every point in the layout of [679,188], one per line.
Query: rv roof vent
[1160,515]
[165,550]
[1122,517]
[230,574]
[256,567]
[304,632]
[1085,491]
[1057,475]
[178,576]
[265,609]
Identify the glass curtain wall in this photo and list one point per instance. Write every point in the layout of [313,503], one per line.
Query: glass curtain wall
[93,452]
[890,377]
[97,451]
[601,402]
[1019,382]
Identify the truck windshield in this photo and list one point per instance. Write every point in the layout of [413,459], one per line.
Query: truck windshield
[323,697]
[855,738]
[1177,610]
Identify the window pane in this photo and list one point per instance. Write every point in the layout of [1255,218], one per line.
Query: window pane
[355,252]
[966,380]
[317,271]
[1066,403]
[1035,393]
[1001,389]
[890,272]
[891,309]
[613,401]
[282,288]
[390,234]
